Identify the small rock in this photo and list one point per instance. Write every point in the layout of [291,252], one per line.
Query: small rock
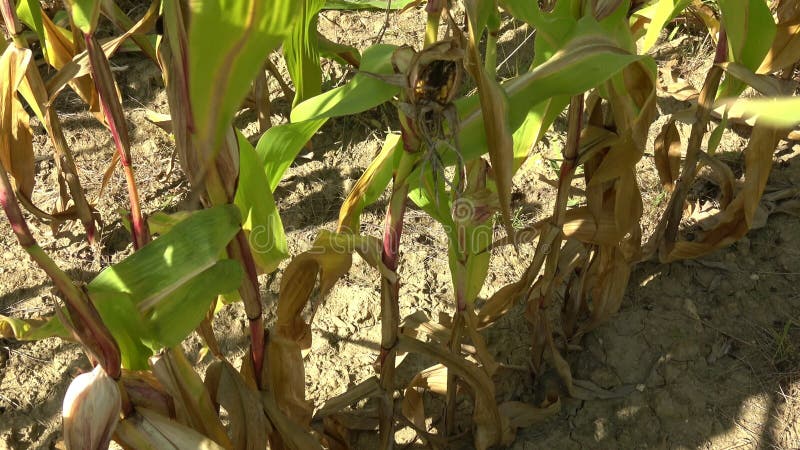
[601,429]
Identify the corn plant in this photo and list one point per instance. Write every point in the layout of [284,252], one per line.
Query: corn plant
[454,156]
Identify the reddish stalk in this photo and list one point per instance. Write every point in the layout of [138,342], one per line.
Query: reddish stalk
[239,250]
[390,293]
[112,110]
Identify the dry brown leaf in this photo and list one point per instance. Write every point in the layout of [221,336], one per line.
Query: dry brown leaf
[785,50]
[787,10]
[335,434]
[150,430]
[60,53]
[706,15]
[721,174]
[286,375]
[144,391]
[73,66]
[366,389]
[740,215]
[490,427]
[581,224]
[16,140]
[329,259]
[667,155]
[417,325]
[193,406]
[433,379]
[481,350]
[290,434]
[676,87]
[500,303]
[248,424]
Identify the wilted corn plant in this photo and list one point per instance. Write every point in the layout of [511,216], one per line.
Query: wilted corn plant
[132,317]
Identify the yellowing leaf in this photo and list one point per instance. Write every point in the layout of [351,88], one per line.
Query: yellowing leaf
[16,140]
[783,112]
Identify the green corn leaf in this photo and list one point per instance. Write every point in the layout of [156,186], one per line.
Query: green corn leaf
[341,53]
[84,13]
[477,263]
[716,136]
[781,112]
[659,13]
[362,93]
[161,222]
[32,329]
[750,29]
[436,205]
[228,43]
[278,147]
[567,63]
[30,13]
[125,322]
[260,219]
[301,51]
[171,321]
[179,267]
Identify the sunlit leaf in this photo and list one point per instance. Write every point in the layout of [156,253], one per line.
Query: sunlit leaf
[783,112]
[30,13]
[371,184]
[363,92]
[301,51]
[225,55]
[659,14]
[260,219]
[161,292]
[84,13]
[32,329]
[750,29]
[278,147]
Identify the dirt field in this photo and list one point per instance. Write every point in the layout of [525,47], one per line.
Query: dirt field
[703,354]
